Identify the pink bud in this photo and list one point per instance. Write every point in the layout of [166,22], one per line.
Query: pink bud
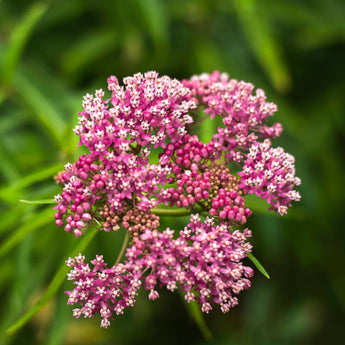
[222,214]
[77,232]
[83,175]
[100,184]
[233,194]
[59,222]
[68,228]
[238,200]
[62,209]
[205,194]
[86,205]
[80,224]
[86,216]
[76,217]
[213,212]
[247,212]
[198,196]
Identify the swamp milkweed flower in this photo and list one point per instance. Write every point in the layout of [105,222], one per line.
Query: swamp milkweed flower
[117,186]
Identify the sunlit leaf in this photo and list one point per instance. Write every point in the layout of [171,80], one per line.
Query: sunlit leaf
[32,224]
[154,14]
[11,216]
[92,47]
[34,202]
[43,110]
[264,44]
[55,284]
[260,206]
[18,40]
[7,168]
[37,176]
[257,264]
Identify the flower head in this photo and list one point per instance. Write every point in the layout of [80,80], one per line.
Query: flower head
[204,262]
[144,152]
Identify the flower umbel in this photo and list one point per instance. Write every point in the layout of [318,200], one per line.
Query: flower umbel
[144,161]
[204,262]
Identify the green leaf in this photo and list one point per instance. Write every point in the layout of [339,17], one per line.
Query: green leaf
[10,216]
[37,176]
[7,168]
[263,43]
[55,284]
[36,221]
[195,312]
[171,212]
[257,264]
[88,50]
[260,206]
[19,38]
[154,14]
[34,202]
[43,109]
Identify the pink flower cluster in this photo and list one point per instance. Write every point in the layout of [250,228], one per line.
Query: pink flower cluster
[270,174]
[243,114]
[143,162]
[204,262]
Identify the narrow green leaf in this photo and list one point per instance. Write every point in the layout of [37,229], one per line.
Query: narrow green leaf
[43,201]
[257,264]
[28,180]
[3,95]
[88,50]
[156,20]
[55,284]
[19,38]
[263,43]
[44,111]
[195,312]
[13,122]
[260,206]
[170,212]
[36,221]
[7,168]
[11,215]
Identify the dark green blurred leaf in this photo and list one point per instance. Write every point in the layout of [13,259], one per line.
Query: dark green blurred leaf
[32,224]
[88,50]
[156,21]
[265,46]
[260,206]
[44,111]
[8,169]
[11,216]
[7,193]
[18,40]
[55,284]
[198,317]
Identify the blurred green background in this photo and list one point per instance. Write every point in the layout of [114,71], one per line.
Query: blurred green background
[52,53]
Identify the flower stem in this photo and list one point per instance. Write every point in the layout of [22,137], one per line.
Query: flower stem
[170,212]
[123,248]
[197,315]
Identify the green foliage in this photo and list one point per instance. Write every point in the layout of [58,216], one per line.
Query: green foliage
[53,52]
[257,264]
[55,284]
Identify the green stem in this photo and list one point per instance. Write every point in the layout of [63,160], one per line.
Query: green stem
[43,201]
[170,212]
[197,315]
[123,248]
